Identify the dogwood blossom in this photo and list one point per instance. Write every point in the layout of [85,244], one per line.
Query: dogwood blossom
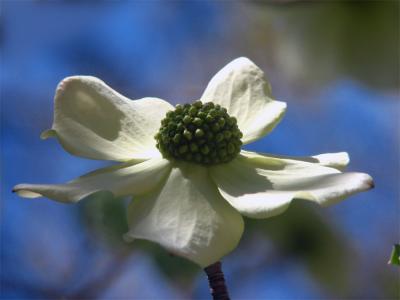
[188,192]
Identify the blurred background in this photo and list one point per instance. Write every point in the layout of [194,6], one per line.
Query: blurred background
[335,63]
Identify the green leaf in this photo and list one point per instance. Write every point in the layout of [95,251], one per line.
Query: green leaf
[395,256]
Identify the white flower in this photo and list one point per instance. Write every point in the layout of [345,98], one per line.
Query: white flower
[192,210]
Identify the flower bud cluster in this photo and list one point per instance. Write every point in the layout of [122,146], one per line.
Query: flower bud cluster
[201,133]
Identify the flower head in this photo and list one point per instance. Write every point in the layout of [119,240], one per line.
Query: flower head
[183,166]
[199,133]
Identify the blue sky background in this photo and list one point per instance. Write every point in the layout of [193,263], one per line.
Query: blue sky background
[339,99]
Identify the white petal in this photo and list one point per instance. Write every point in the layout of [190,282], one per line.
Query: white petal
[123,180]
[94,121]
[241,88]
[337,160]
[264,187]
[187,216]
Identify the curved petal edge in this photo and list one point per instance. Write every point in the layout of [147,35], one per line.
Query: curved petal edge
[260,190]
[120,180]
[338,160]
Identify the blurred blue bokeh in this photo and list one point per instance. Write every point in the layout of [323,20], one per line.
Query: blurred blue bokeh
[170,50]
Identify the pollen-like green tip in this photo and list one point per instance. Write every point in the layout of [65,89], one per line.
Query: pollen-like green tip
[201,133]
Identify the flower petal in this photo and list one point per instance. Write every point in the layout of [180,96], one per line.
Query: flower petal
[123,180]
[94,121]
[187,216]
[264,187]
[338,160]
[241,88]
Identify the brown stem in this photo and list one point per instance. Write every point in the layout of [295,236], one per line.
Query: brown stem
[216,281]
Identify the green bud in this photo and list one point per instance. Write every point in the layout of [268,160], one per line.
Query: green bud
[227,134]
[197,121]
[202,115]
[187,119]
[177,138]
[221,122]
[179,108]
[199,133]
[209,118]
[208,105]
[187,134]
[213,112]
[193,111]
[198,104]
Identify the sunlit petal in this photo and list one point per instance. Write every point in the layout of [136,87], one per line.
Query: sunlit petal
[187,216]
[241,88]
[94,121]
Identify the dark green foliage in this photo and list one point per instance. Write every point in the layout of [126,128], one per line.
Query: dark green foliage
[105,215]
[301,233]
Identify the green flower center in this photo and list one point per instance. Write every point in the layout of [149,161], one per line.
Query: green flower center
[201,133]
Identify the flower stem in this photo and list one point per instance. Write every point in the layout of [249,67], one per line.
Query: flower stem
[216,281]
